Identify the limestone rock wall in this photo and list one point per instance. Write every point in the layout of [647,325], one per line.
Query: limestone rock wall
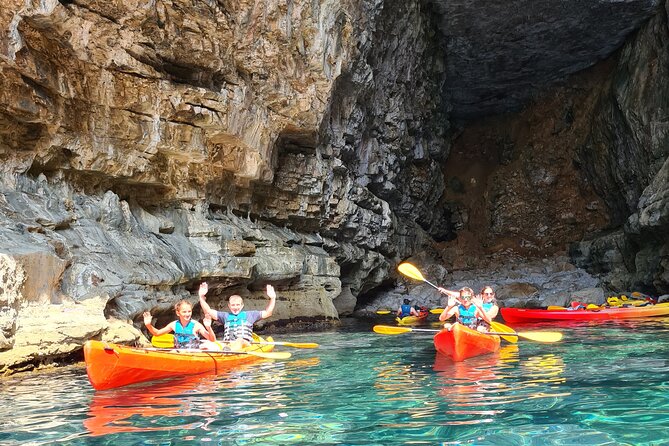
[626,158]
[148,145]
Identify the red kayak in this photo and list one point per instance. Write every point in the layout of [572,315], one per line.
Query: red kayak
[460,342]
[512,315]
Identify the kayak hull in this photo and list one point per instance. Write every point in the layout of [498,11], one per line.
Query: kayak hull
[111,365]
[512,315]
[460,343]
[412,320]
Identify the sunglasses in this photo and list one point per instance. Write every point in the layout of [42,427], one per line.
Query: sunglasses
[489,294]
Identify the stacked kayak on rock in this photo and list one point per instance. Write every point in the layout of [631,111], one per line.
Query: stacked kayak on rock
[460,342]
[111,365]
[512,315]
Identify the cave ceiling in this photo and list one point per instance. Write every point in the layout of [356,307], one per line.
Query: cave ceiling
[500,53]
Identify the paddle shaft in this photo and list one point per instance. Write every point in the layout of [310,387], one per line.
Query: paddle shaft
[267,355]
[437,331]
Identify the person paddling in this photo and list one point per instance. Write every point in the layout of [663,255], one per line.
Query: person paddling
[238,324]
[185,329]
[467,309]
[406,310]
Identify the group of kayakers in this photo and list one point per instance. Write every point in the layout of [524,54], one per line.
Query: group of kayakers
[238,324]
[475,311]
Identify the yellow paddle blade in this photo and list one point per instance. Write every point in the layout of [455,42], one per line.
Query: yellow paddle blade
[294,344]
[437,310]
[555,307]
[501,328]
[386,329]
[382,311]
[163,341]
[268,355]
[409,270]
[541,336]
[592,307]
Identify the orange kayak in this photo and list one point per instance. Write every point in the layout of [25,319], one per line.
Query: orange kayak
[460,342]
[525,314]
[111,365]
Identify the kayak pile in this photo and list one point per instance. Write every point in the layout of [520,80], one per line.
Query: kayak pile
[111,365]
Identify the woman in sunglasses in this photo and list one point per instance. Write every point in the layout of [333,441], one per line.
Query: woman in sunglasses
[488,306]
[467,308]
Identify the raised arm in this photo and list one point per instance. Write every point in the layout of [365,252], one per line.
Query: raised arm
[204,329]
[451,307]
[153,330]
[272,302]
[202,292]
[449,293]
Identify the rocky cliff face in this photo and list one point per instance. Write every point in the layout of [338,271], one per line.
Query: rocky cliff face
[149,145]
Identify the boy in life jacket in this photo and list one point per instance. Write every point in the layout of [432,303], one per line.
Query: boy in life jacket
[467,309]
[406,310]
[185,329]
[238,324]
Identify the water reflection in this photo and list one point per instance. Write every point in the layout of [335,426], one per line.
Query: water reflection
[170,404]
[485,385]
[115,411]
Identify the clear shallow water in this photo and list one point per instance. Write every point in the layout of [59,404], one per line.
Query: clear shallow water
[605,384]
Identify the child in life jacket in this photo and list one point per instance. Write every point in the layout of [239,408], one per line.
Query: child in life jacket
[238,331]
[185,329]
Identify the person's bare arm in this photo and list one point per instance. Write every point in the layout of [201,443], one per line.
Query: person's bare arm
[448,313]
[272,302]
[204,330]
[202,292]
[449,293]
[153,330]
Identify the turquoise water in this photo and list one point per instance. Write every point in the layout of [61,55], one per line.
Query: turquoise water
[605,384]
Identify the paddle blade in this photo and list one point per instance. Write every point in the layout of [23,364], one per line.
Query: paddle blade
[541,336]
[437,310]
[386,329]
[298,344]
[409,270]
[269,355]
[382,311]
[501,328]
[163,341]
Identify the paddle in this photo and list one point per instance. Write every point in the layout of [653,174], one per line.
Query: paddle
[266,355]
[411,271]
[167,341]
[539,336]
[382,311]
[501,328]
[290,344]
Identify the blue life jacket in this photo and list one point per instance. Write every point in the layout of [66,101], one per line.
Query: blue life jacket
[237,327]
[466,316]
[184,337]
[406,310]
